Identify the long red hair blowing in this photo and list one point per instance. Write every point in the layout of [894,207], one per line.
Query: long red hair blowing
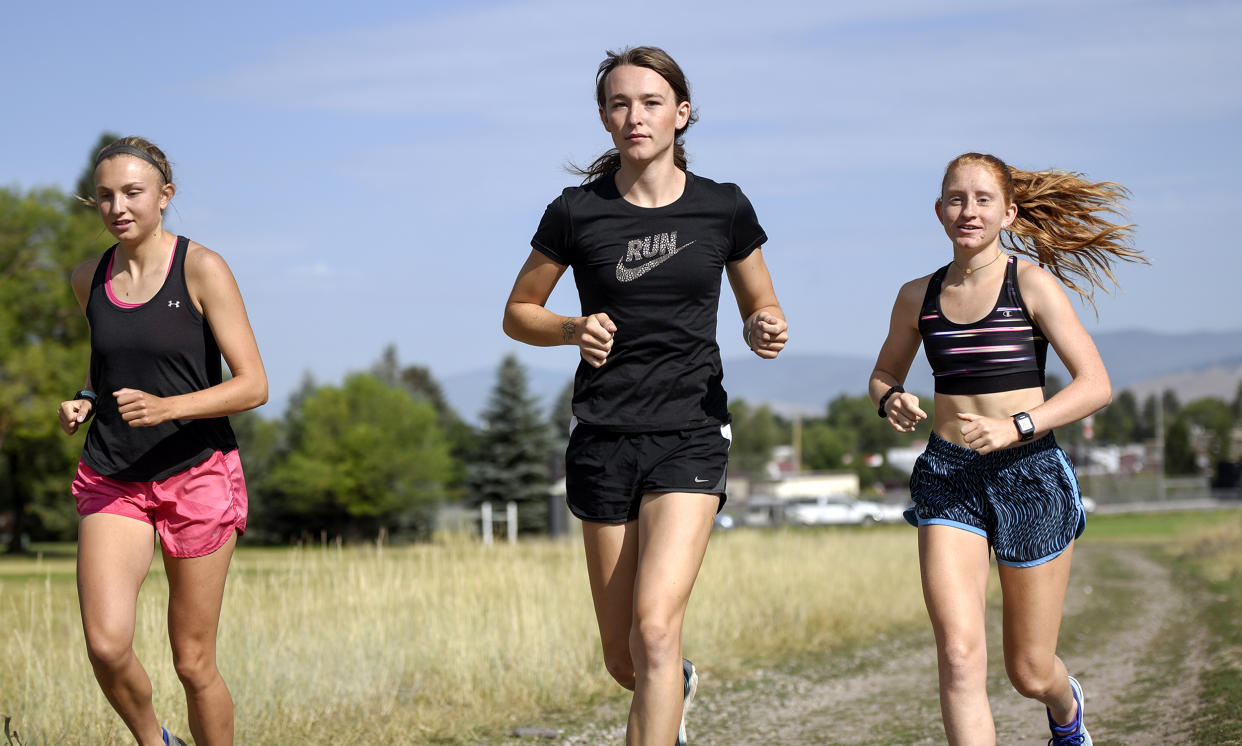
[1063,222]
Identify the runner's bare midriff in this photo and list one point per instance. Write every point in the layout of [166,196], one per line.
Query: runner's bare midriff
[1002,405]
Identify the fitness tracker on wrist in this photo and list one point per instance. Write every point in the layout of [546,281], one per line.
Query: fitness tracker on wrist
[884,399]
[1026,428]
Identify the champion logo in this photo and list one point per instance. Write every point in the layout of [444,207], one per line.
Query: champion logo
[174,304]
[1007,314]
[650,252]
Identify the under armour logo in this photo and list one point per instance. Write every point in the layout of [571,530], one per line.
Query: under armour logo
[174,304]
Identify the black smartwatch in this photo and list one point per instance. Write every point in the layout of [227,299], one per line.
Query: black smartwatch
[1026,428]
[884,399]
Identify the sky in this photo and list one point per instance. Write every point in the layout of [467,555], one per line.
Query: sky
[373,171]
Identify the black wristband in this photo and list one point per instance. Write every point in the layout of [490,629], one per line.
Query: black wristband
[90,396]
[884,399]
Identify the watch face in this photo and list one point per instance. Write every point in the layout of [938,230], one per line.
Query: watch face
[1025,427]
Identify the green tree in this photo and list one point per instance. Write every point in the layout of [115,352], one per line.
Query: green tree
[1118,423]
[511,460]
[824,446]
[874,435]
[756,431]
[261,443]
[857,414]
[361,457]
[1147,418]
[1172,405]
[1179,454]
[1215,416]
[85,186]
[563,410]
[558,424]
[43,355]
[1237,404]
[418,382]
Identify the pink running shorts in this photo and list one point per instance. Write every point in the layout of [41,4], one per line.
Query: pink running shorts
[194,512]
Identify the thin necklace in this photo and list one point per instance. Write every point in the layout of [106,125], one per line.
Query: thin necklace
[968,271]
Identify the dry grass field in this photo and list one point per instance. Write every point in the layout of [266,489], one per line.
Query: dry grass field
[449,642]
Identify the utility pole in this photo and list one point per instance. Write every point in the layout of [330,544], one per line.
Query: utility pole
[797,444]
[1160,486]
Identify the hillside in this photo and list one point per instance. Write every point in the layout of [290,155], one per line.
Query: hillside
[1194,365]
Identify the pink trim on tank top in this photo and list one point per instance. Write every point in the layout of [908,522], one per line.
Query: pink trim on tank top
[108,280]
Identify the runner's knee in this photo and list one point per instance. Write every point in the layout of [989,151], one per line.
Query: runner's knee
[621,667]
[654,642]
[963,659]
[109,652]
[1031,678]
[108,646]
[195,665]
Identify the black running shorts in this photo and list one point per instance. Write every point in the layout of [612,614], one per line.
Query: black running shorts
[607,472]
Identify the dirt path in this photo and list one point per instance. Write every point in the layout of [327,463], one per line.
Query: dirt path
[1129,635]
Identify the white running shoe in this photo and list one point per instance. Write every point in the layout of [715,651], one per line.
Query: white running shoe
[1079,737]
[690,684]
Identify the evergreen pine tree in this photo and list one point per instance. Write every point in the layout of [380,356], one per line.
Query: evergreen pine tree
[558,423]
[1179,454]
[510,462]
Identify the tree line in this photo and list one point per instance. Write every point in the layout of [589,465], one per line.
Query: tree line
[383,450]
[1197,437]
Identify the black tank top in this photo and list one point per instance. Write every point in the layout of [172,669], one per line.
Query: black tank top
[163,347]
[1003,351]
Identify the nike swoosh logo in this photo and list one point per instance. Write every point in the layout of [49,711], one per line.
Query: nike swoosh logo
[629,274]
[700,481]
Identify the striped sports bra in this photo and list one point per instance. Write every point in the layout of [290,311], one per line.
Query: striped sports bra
[1003,351]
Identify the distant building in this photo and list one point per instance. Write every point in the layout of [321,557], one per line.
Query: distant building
[809,484]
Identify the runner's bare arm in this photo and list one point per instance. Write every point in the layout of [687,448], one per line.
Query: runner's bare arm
[73,413]
[528,320]
[896,355]
[214,290]
[764,328]
[1089,390]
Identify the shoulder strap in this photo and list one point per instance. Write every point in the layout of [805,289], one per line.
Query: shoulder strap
[101,269]
[1011,282]
[176,272]
[932,295]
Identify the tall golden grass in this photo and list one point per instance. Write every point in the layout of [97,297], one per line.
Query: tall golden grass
[449,642]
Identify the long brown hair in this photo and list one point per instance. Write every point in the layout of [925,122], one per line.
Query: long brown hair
[652,58]
[1062,222]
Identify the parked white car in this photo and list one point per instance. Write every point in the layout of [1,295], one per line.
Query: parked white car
[839,509]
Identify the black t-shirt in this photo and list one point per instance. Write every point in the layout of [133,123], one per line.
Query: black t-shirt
[656,273]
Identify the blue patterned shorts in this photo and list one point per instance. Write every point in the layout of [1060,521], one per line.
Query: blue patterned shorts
[1023,500]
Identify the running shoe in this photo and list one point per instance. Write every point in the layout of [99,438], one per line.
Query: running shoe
[172,740]
[689,684]
[1077,735]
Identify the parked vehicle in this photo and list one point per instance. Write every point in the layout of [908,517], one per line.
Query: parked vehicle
[839,510]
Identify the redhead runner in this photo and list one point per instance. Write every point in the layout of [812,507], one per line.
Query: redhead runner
[993,478]
[160,458]
[645,467]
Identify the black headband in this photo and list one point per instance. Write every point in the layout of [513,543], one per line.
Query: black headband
[123,149]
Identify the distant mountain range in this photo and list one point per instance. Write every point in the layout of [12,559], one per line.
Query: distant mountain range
[1194,365]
